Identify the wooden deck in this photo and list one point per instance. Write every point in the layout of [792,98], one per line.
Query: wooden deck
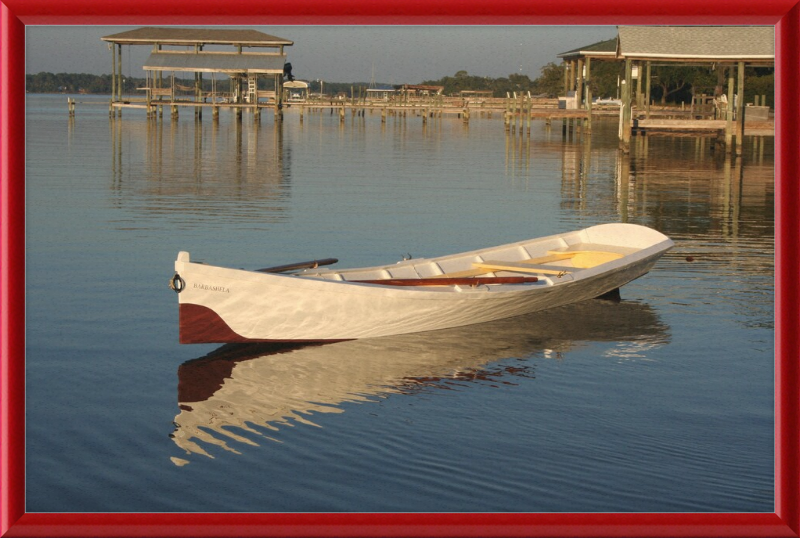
[660,123]
[671,126]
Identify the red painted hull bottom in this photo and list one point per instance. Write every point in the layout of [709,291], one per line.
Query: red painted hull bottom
[201,325]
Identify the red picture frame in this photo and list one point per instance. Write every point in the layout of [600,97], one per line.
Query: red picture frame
[16,14]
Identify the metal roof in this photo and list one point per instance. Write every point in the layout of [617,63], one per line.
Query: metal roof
[196,36]
[601,48]
[216,62]
[713,43]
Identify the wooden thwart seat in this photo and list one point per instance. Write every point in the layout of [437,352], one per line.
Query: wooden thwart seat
[581,259]
[521,267]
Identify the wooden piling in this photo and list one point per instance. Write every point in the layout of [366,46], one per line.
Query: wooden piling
[740,110]
[625,112]
[729,114]
[528,115]
[587,80]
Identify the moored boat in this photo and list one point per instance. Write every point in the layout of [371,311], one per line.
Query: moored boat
[313,302]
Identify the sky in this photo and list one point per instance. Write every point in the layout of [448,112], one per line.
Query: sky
[385,54]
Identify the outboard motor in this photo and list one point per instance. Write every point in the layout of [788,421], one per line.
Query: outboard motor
[287,71]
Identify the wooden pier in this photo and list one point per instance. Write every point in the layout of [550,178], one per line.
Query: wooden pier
[516,112]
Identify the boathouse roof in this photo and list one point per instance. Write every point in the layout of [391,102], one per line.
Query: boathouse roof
[607,48]
[196,36]
[697,43]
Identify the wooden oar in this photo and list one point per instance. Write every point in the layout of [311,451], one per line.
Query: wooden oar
[313,264]
[450,281]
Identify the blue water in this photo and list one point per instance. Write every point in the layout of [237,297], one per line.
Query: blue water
[662,402]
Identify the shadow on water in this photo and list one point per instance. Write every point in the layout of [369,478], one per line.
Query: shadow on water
[258,388]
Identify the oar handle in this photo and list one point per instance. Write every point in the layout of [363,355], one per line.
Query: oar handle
[312,264]
[456,281]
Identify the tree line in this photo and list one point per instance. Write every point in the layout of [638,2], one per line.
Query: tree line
[670,84]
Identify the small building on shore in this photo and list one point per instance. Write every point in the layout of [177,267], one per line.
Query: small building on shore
[384,93]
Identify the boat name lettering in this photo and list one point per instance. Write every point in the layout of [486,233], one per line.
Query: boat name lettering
[206,287]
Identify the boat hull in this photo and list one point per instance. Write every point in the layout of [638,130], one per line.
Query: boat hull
[222,305]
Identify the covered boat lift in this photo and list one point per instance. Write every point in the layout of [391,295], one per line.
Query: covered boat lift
[577,73]
[722,47]
[181,50]
[732,48]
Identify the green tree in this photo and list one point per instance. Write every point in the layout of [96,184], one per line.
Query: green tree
[551,81]
[679,79]
[604,78]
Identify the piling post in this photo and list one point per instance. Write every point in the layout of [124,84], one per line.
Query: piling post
[507,115]
[579,84]
[625,135]
[740,110]
[528,114]
[648,78]
[729,114]
[71,107]
[639,103]
[587,81]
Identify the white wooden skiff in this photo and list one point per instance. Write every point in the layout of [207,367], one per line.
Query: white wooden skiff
[223,305]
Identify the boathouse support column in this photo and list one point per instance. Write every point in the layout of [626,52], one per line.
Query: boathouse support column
[119,77]
[729,113]
[639,104]
[588,82]
[740,110]
[648,80]
[579,85]
[113,74]
[567,70]
[625,135]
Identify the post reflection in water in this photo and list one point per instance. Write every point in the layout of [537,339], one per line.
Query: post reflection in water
[237,166]
[708,192]
[258,388]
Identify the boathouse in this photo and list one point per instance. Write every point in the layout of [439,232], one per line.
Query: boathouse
[246,68]
[725,49]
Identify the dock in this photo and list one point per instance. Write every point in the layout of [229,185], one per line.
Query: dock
[261,78]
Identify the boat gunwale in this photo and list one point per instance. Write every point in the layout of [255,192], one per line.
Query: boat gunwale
[314,283]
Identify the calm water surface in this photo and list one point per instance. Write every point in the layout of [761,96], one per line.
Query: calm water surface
[662,402]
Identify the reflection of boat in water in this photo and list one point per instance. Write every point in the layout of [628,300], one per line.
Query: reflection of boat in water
[260,387]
